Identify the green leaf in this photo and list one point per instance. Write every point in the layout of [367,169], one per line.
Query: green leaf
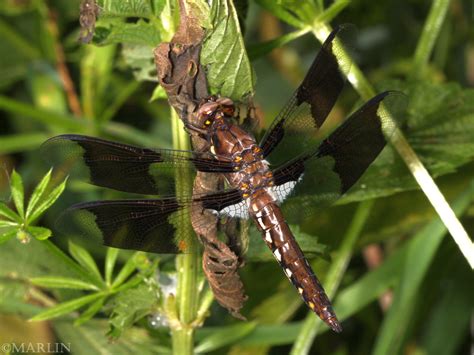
[38,193]
[90,312]
[281,12]
[62,282]
[418,258]
[131,305]
[14,143]
[158,93]
[110,259]
[83,257]
[90,338]
[129,267]
[229,71]
[225,336]
[18,193]
[140,59]
[5,211]
[66,307]
[129,8]
[258,50]
[39,233]
[48,201]
[8,234]
[111,31]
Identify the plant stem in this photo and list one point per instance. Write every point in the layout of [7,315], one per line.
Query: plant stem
[186,264]
[428,37]
[338,267]
[414,164]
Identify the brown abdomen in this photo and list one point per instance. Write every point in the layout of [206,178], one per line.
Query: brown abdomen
[280,240]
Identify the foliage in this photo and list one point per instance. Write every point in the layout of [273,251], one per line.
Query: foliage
[114,84]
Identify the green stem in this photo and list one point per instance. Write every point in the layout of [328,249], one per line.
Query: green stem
[428,38]
[186,264]
[414,164]
[338,267]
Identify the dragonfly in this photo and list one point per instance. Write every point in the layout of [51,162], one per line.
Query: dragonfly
[286,176]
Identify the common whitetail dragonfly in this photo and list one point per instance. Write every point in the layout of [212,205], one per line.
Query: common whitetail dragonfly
[265,181]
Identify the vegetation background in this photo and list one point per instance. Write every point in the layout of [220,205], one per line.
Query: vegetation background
[399,282]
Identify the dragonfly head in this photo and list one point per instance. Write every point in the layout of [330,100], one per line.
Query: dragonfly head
[213,112]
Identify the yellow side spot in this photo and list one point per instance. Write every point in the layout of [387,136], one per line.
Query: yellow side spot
[238,158]
[182,246]
[311,305]
[245,195]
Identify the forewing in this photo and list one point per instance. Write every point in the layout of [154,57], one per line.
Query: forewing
[293,130]
[127,168]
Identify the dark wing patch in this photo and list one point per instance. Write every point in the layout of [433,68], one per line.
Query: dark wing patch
[125,167]
[317,179]
[295,126]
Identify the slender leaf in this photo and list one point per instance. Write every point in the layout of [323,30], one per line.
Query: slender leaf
[129,267]
[18,193]
[279,11]
[39,233]
[8,234]
[419,256]
[83,257]
[66,307]
[48,201]
[5,211]
[62,282]
[110,259]
[38,193]
[90,312]
[224,336]
[260,49]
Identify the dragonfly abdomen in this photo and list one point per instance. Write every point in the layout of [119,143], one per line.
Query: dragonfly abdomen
[279,238]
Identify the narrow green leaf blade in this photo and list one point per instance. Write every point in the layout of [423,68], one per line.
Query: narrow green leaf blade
[7,235]
[5,211]
[39,233]
[62,282]
[38,193]
[258,50]
[225,336]
[90,312]
[419,256]
[48,201]
[129,267]
[66,307]
[279,11]
[83,257]
[18,193]
[110,260]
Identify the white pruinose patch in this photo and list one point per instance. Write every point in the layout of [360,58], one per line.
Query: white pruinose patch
[239,210]
[288,272]
[281,192]
[277,254]
[268,237]
[259,214]
[260,223]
